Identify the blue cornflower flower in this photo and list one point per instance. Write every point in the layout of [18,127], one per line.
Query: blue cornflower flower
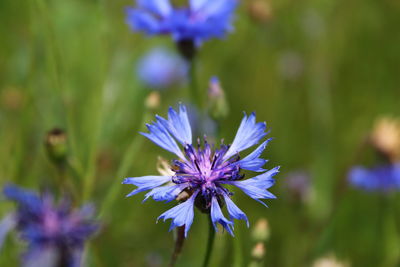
[197,22]
[202,172]
[380,178]
[55,234]
[161,69]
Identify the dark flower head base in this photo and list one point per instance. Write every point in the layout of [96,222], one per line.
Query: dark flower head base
[201,171]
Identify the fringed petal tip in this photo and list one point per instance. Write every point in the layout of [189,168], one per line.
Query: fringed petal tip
[178,124]
[165,193]
[234,211]
[160,135]
[181,214]
[256,187]
[248,134]
[253,162]
[160,8]
[6,225]
[145,183]
[218,217]
[126,181]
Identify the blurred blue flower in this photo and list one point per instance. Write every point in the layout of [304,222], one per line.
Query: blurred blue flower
[381,178]
[197,22]
[55,234]
[201,171]
[161,69]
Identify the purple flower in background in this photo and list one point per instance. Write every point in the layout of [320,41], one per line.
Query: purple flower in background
[197,22]
[381,178]
[202,170]
[161,69]
[55,233]
[298,184]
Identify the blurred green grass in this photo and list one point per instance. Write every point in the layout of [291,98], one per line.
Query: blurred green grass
[319,73]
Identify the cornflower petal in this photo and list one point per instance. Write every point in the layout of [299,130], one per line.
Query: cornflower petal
[160,136]
[256,187]
[139,21]
[213,8]
[252,162]
[145,183]
[6,224]
[234,211]
[218,217]
[160,7]
[248,134]
[41,256]
[379,178]
[196,5]
[165,193]
[181,215]
[198,21]
[213,18]
[178,124]
[363,178]
[26,198]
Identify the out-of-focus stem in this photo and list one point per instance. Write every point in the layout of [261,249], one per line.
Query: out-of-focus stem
[237,249]
[127,160]
[195,95]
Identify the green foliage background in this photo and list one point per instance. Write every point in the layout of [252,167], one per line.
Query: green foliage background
[70,64]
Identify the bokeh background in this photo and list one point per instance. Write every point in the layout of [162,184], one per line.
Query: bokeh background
[318,72]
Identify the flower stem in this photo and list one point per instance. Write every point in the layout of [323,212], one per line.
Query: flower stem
[180,239]
[237,248]
[194,91]
[210,243]
[126,162]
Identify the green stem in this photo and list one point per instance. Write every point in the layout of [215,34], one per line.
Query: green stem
[195,95]
[127,160]
[395,212]
[180,239]
[210,244]
[237,248]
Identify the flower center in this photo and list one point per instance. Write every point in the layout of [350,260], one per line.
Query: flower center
[204,169]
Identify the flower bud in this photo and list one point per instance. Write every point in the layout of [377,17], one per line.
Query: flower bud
[329,261]
[152,101]
[261,231]
[385,137]
[258,251]
[56,145]
[217,101]
[260,10]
